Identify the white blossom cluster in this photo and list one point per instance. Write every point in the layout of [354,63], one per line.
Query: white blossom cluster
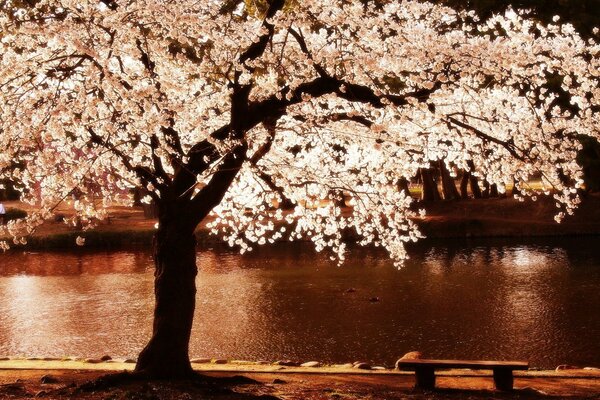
[99,97]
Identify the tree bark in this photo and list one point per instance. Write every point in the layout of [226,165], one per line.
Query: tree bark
[403,186]
[448,186]
[515,191]
[475,190]
[485,193]
[429,186]
[494,190]
[167,353]
[464,184]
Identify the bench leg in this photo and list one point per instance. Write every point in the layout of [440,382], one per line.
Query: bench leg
[425,378]
[503,379]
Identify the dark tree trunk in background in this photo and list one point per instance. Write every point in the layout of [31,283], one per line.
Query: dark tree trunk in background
[137,197]
[515,191]
[464,184]
[475,190]
[485,193]
[403,186]
[167,353]
[429,186]
[9,192]
[448,186]
[150,210]
[493,190]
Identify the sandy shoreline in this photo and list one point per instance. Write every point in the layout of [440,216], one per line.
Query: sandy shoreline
[32,377]
[216,365]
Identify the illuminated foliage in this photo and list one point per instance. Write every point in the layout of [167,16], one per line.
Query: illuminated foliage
[231,107]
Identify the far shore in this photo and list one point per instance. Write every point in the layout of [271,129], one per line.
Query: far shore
[483,218]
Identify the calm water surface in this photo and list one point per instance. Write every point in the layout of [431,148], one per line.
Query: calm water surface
[537,301]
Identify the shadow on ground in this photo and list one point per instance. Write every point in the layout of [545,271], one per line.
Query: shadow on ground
[92,385]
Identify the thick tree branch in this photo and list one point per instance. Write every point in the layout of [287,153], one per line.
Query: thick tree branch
[204,153]
[359,119]
[507,145]
[201,156]
[257,48]
[144,174]
[156,161]
[212,194]
[276,105]
[262,151]
[302,43]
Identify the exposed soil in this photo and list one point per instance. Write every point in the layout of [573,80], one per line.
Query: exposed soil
[65,384]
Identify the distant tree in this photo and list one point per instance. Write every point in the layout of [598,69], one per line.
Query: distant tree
[469,180]
[403,185]
[429,186]
[225,109]
[589,159]
[7,191]
[448,185]
[584,15]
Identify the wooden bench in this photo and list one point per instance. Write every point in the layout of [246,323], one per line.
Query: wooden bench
[425,370]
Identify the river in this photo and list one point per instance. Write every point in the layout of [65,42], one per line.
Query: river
[486,299]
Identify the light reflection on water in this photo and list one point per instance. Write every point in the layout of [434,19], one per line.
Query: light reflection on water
[485,300]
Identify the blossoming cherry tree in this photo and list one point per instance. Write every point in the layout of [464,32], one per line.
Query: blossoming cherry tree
[265,118]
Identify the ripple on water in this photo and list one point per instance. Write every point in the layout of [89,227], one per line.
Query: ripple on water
[490,299]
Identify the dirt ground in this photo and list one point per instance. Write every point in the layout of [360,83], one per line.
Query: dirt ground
[239,382]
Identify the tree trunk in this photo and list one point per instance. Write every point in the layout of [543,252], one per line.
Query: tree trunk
[464,184]
[475,190]
[167,353]
[494,190]
[403,186]
[448,186]
[485,193]
[515,191]
[429,186]
[9,192]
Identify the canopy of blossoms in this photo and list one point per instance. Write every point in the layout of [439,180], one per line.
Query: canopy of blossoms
[344,98]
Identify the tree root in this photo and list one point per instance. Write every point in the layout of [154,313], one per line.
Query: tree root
[195,379]
[224,381]
[111,381]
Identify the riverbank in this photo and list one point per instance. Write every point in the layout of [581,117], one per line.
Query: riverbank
[483,218]
[61,379]
[507,217]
